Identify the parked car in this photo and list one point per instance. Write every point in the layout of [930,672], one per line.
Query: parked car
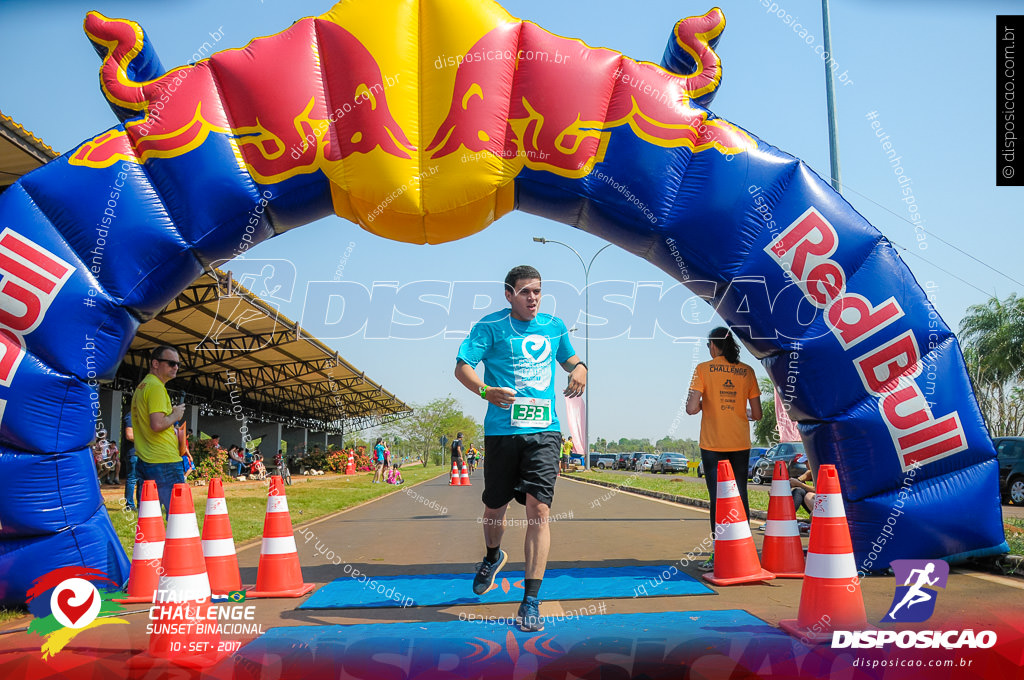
[1010,451]
[756,454]
[623,461]
[602,461]
[646,461]
[670,462]
[634,460]
[791,453]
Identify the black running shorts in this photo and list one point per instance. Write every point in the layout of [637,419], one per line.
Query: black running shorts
[520,464]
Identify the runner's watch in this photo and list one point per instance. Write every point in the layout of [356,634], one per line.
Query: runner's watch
[483,391]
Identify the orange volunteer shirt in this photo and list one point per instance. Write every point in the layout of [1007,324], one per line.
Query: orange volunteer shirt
[725,389]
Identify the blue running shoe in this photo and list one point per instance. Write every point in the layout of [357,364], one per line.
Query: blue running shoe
[486,571]
[528,617]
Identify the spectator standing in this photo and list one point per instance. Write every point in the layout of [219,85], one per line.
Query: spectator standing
[719,391]
[132,483]
[378,461]
[566,452]
[113,456]
[153,417]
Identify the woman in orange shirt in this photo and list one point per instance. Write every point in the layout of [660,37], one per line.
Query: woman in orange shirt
[720,391]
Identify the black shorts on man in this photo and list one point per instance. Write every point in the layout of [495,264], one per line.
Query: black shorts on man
[521,464]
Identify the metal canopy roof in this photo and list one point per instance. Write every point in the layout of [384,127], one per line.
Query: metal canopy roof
[20,152]
[239,350]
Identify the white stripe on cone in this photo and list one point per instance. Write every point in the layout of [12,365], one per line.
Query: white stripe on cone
[283,545]
[182,526]
[277,504]
[216,506]
[218,547]
[152,550]
[150,509]
[780,487]
[822,565]
[728,489]
[829,505]
[733,531]
[781,527]
[185,588]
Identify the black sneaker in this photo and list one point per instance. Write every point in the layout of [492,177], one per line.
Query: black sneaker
[486,571]
[528,617]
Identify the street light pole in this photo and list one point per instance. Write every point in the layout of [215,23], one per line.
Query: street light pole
[830,101]
[586,337]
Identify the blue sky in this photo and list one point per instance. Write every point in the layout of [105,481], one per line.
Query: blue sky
[926,70]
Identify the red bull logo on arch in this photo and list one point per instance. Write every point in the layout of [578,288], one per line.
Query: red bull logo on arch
[280,125]
[519,68]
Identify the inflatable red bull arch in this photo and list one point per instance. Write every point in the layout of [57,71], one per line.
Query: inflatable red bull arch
[429,131]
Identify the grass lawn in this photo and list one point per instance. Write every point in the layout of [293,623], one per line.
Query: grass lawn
[308,498]
[667,484]
[1014,527]
[758,499]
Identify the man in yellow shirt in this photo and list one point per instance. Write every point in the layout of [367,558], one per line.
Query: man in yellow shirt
[566,452]
[153,420]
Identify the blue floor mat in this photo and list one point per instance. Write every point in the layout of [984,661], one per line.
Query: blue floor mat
[729,643]
[438,590]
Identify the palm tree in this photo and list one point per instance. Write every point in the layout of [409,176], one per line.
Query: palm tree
[992,336]
[995,333]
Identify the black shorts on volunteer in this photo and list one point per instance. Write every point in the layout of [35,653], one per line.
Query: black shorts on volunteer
[520,464]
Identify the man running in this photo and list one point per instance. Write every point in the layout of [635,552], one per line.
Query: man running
[457,451]
[521,434]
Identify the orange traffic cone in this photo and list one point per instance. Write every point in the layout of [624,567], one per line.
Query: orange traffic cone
[184,634]
[830,598]
[149,547]
[350,468]
[455,479]
[279,573]
[218,544]
[782,552]
[464,477]
[735,552]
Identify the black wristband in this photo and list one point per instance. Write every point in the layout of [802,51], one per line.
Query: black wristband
[578,363]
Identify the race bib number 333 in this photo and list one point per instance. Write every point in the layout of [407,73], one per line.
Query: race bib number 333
[529,412]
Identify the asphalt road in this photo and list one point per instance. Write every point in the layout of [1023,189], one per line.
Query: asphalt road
[404,534]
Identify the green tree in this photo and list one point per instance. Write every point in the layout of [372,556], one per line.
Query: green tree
[688,447]
[422,431]
[992,336]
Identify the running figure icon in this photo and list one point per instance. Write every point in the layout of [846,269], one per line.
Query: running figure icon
[917,594]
